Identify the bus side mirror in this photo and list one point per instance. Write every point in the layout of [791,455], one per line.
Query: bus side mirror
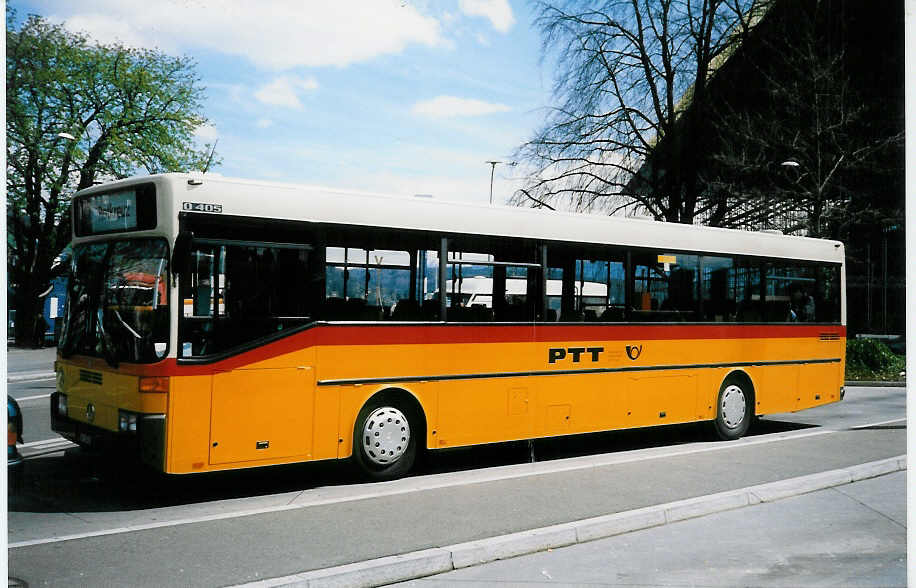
[182,251]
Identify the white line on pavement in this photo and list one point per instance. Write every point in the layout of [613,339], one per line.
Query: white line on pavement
[36,397]
[868,426]
[44,442]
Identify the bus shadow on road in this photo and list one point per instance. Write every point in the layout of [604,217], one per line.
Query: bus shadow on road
[79,481]
[570,446]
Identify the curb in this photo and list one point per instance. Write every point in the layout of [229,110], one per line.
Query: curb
[428,562]
[874,384]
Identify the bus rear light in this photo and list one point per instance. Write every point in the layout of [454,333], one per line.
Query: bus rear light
[158,384]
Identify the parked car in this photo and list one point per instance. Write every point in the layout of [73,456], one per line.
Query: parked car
[13,432]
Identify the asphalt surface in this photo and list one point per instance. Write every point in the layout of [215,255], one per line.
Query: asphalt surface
[312,534]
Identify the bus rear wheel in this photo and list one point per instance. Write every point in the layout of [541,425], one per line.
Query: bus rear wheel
[384,440]
[734,409]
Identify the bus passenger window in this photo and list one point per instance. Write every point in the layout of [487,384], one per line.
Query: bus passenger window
[598,291]
[665,287]
[367,284]
[791,292]
[235,294]
[748,280]
[469,286]
[719,289]
[827,294]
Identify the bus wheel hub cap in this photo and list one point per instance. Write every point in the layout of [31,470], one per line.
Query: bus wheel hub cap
[385,435]
[733,406]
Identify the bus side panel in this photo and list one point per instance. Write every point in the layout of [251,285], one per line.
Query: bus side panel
[657,399]
[188,424]
[818,384]
[778,388]
[484,411]
[579,403]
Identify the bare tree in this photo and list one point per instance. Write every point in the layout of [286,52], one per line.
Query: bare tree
[793,142]
[632,87]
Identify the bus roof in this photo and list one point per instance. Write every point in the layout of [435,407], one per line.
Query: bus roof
[255,198]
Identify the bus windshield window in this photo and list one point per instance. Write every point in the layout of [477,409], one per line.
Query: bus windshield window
[79,334]
[135,298]
[118,302]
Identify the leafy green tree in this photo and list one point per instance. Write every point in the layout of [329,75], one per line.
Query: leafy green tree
[78,112]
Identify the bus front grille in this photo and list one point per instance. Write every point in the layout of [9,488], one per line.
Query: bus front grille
[91,377]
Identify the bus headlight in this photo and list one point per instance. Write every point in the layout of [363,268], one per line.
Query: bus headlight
[127,421]
[61,380]
[62,405]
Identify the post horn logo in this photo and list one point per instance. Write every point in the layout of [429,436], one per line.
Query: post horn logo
[633,352]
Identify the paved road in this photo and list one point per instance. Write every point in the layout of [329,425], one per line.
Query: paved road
[189,531]
[28,362]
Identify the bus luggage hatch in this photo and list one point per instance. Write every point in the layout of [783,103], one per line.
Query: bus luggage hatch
[261,414]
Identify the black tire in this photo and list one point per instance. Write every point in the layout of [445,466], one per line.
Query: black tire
[380,453]
[732,419]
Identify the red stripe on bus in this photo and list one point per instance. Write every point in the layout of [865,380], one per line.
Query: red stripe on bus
[469,334]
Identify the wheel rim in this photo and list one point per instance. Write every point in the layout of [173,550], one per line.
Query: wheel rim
[734,405]
[386,435]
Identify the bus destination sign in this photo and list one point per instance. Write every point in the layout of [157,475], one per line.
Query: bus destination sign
[116,211]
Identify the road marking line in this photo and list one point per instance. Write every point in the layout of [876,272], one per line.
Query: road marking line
[29,376]
[36,397]
[902,420]
[43,442]
[436,481]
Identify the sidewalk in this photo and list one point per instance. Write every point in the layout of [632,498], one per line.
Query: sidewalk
[850,535]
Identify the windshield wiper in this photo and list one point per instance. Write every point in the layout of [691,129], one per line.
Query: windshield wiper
[126,326]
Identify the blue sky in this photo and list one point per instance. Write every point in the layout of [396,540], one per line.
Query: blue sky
[403,96]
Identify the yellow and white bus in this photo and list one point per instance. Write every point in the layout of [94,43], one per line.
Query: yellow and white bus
[215,323]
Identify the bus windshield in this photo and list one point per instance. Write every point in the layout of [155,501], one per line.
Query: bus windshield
[118,302]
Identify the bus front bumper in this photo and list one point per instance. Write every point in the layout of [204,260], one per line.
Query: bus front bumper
[147,442]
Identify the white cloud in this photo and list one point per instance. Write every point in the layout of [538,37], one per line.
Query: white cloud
[276,34]
[206,133]
[498,12]
[284,91]
[453,106]
[263,123]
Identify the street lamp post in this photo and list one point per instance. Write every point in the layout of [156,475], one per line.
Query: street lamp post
[493,165]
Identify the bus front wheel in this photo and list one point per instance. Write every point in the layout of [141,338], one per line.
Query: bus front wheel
[384,440]
[734,408]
